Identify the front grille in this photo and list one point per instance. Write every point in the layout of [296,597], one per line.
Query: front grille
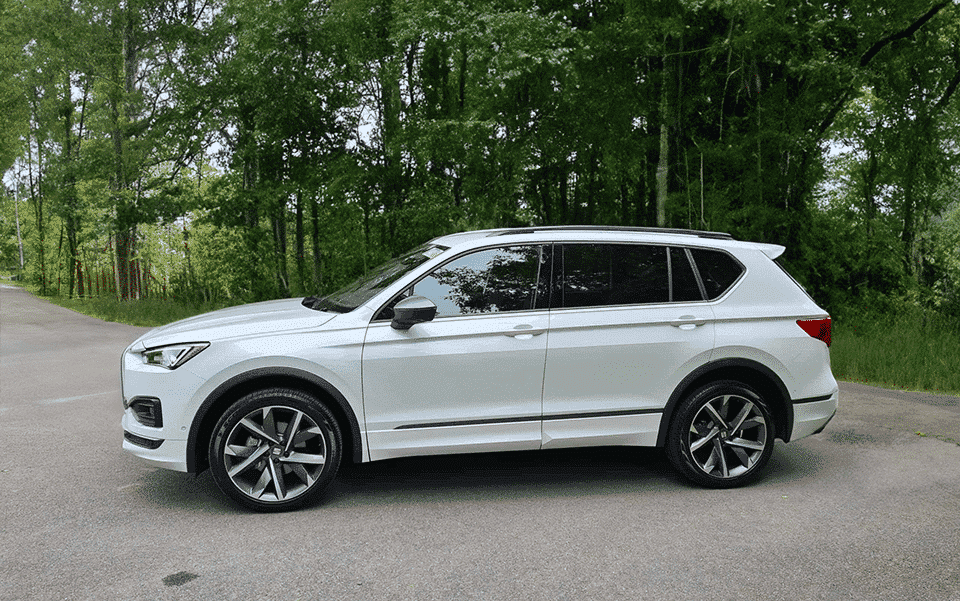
[140,441]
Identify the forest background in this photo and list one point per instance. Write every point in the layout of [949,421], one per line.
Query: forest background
[213,152]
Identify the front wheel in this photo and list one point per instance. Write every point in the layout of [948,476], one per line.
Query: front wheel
[721,436]
[275,450]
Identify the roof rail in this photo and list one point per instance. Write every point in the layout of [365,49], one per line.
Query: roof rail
[613,228]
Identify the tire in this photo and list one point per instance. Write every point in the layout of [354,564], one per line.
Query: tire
[722,435]
[275,450]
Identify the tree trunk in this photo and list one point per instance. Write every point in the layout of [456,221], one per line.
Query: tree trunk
[299,243]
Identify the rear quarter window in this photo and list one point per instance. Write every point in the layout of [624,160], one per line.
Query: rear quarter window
[718,270]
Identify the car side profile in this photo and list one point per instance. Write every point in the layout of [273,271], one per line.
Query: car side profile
[493,340]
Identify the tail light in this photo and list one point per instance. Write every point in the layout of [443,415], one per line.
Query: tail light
[817,328]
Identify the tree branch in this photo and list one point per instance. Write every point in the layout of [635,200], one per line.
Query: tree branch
[951,87]
[906,33]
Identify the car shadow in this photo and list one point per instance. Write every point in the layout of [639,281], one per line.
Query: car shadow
[482,477]
[493,476]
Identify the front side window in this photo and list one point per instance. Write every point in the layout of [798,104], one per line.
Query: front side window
[487,281]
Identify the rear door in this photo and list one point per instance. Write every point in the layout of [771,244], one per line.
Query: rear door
[628,322]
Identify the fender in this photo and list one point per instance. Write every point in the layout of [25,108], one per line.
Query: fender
[286,373]
[706,372]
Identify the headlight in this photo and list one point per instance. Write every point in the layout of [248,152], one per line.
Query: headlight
[174,355]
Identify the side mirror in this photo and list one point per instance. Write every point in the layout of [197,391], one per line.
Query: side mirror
[411,311]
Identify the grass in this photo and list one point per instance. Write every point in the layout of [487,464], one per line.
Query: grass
[917,351]
[144,312]
[148,312]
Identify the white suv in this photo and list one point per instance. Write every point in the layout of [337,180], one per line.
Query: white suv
[508,339]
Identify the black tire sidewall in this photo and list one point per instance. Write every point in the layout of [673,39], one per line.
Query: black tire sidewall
[281,397]
[677,448]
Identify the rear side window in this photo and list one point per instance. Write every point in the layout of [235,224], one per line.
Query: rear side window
[596,275]
[685,287]
[718,270]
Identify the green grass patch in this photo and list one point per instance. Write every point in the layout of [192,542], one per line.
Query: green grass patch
[913,350]
[143,312]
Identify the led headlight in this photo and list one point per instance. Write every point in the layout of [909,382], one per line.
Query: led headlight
[174,355]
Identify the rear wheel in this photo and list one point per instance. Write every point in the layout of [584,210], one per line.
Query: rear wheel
[275,450]
[722,435]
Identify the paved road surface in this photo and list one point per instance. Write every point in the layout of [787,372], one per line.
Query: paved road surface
[868,510]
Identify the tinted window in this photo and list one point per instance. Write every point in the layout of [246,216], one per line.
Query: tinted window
[718,270]
[613,274]
[685,287]
[488,281]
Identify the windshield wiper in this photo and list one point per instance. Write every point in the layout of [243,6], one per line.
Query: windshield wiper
[313,302]
[324,304]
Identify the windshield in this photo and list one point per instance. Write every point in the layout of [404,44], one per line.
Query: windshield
[360,291]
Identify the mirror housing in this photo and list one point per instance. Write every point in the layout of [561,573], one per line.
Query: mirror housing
[411,311]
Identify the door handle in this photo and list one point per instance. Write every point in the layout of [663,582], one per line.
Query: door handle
[523,331]
[688,322]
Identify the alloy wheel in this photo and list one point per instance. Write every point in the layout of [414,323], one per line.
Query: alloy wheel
[275,454]
[728,436]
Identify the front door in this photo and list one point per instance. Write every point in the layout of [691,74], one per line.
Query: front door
[471,380]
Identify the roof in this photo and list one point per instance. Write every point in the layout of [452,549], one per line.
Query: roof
[609,232]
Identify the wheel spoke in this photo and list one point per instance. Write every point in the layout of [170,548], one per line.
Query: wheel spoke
[236,450]
[290,434]
[741,418]
[300,458]
[745,444]
[257,431]
[742,456]
[302,473]
[306,434]
[269,424]
[276,474]
[753,422]
[715,415]
[253,458]
[261,484]
[718,448]
[698,444]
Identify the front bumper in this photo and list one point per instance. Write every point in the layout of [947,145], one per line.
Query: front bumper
[164,446]
[171,454]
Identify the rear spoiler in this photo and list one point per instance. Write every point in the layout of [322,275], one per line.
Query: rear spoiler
[771,250]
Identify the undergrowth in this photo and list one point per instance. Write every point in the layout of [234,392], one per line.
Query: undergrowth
[910,350]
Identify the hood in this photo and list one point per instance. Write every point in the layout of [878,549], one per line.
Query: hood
[245,320]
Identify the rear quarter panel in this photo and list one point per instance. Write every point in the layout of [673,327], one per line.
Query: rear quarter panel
[757,319]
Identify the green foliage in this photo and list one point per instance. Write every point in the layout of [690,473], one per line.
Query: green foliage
[241,150]
[899,347]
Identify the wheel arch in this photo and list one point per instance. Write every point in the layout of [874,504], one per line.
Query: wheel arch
[756,375]
[236,387]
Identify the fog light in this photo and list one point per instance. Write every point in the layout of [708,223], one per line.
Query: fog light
[146,410]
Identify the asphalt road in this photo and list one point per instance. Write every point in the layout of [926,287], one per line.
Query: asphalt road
[869,509]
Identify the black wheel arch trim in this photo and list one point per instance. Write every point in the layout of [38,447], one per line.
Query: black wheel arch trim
[272,372]
[686,386]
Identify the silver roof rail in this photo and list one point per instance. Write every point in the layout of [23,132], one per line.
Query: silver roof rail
[613,228]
